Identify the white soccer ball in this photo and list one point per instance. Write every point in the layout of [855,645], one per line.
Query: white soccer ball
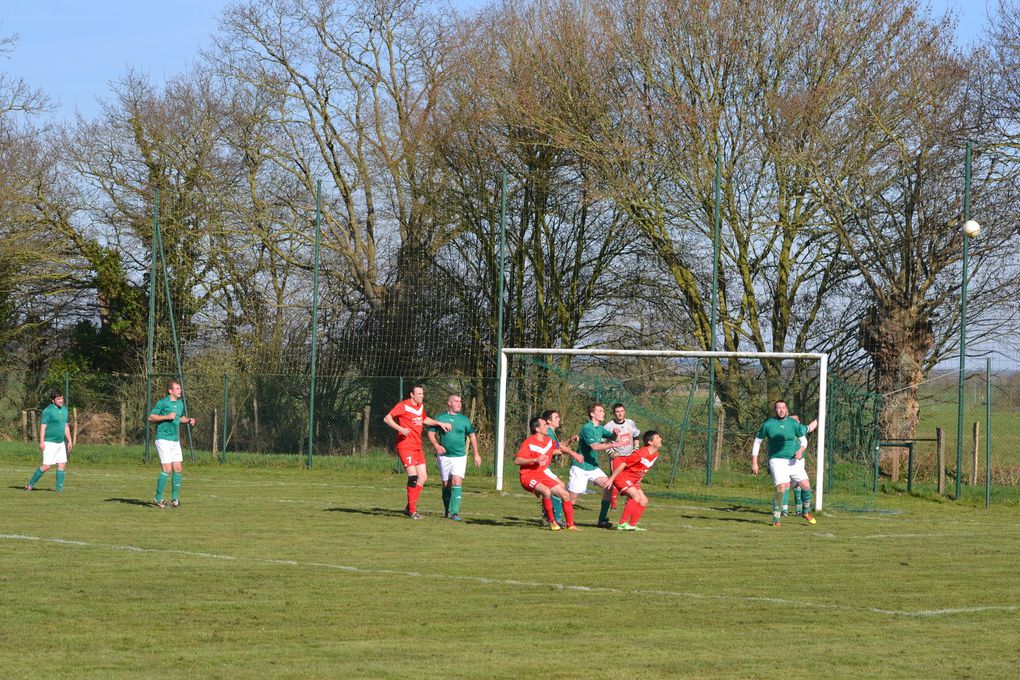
[971,228]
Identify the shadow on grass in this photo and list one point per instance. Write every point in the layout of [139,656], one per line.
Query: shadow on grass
[35,489]
[132,501]
[375,512]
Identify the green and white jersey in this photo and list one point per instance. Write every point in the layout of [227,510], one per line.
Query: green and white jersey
[454,441]
[55,420]
[782,435]
[590,434]
[167,430]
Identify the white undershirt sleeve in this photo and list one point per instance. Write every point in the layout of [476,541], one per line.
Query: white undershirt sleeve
[756,448]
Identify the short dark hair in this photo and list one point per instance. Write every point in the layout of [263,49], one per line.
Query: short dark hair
[56,392]
[415,387]
[592,406]
[171,383]
[618,405]
[533,424]
[548,413]
[777,402]
[649,436]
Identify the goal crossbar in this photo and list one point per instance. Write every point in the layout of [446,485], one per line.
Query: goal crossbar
[823,365]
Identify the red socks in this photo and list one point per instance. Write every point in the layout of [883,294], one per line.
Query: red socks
[568,513]
[547,506]
[413,492]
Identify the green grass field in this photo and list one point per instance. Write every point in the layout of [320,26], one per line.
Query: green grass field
[282,572]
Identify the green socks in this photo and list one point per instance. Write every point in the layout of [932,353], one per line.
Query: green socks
[780,500]
[161,484]
[455,495]
[60,480]
[797,499]
[805,496]
[39,472]
[604,511]
[557,503]
[446,499]
[175,486]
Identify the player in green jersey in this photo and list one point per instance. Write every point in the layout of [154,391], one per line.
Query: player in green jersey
[787,440]
[168,413]
[451,452]
[591,439]
[53,433]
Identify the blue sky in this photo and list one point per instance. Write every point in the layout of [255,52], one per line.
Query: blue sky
[73,49]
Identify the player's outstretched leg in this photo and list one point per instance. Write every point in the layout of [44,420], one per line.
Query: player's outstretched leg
[36,476]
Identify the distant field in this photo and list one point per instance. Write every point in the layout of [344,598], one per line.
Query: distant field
[281,572]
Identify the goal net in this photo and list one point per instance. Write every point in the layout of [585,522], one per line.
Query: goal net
[671,392]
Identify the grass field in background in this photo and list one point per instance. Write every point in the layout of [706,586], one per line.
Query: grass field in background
[274,571]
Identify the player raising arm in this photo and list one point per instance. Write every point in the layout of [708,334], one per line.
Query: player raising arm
[407,418]
[534,457]
[628,471]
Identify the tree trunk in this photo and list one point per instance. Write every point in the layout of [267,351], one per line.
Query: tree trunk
[897,339]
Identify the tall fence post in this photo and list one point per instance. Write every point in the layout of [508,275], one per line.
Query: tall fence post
[315,320]
[24,425]
[123,424]
[975,439]
[226,391]
[988,432]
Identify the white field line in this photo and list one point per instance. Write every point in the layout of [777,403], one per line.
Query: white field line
[783,602]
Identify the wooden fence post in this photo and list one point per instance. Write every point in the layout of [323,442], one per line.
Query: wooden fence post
[24,425]
[215,430]
[364,428]
[123,424]
[940,459]
[974,457]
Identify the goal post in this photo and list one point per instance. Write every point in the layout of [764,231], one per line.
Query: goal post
[508,352]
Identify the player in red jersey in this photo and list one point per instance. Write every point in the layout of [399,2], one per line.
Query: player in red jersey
[627,474]
[407,418]
[534,456]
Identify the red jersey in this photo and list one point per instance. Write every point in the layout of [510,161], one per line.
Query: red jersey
[637,463]
[406,414]
[532,447]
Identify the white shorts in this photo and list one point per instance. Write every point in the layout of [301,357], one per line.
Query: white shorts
[169,452]
[579,478]
[451,466]
[54,453]
[786,470]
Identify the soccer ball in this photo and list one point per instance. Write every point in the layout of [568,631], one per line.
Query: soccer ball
[971,228]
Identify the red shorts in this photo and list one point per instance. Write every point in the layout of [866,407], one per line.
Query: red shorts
[624,482]
[411,457]
[532,478]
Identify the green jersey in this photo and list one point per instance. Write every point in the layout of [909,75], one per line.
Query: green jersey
[782,436]
[591,434]
[55,420]
[454,441]
[167,430]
